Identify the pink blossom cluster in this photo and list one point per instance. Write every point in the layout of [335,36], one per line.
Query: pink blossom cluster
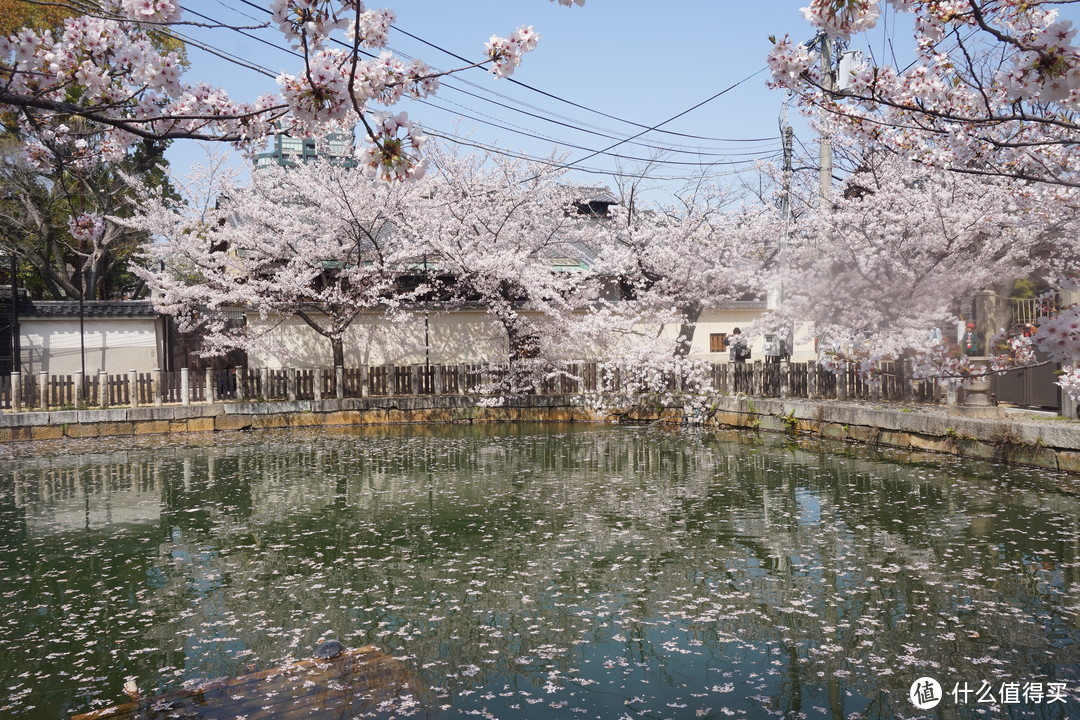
[1049,64]
[1012,352]
[1069,381]
[506,53]
[309,22]
[86,227]
[372,28]
[994,87]
[658,379]
[394,152]
[107,70]
[842,19]
[121,79]
[791,63]
[947,365]
[1059,336]
[157,11]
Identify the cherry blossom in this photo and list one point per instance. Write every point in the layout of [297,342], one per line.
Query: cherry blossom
[490,228]
[993,92]
[898,247]
[158,11]
[901,248]
[673,262]
[993,88]
[86,227]
[506,53]
[316,242]
[843,19]
[106,70]
[1059,336]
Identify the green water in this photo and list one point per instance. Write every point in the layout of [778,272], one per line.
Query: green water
[543,572]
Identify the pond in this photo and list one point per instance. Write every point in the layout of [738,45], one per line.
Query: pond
[543,572]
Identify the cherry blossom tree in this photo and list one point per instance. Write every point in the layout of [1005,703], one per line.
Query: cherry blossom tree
[894,251]
[52,220]
[674,262]
[493,230]
[993,89]
[317,242]
[104,68]
[992,93]
[901,246]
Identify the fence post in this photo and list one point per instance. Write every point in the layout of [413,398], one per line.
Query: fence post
[414,379]
[316,384]
[785,378]
[133,388]
[841,382]
[436,379]
[208,386]
[907,384]
[339,382]
[290,384]
[16,392]
[185,386]
[462,378]
[812,380]
[77,394]
[239,370]
[103,389]
[264,382]
[157,387]
[43,390]
[365,385]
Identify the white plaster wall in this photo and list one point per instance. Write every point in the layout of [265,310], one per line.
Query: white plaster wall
[460,337]
[467,337]
[724,321]
[115,345]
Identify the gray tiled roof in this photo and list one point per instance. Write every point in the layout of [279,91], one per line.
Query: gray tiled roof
[91,308]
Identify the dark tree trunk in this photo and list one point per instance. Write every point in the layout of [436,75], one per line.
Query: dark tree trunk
[690,312]
[338,346]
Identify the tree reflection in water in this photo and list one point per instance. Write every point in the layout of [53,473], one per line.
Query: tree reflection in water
[541,571]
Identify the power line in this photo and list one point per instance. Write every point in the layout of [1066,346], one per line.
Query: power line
[665,148]
[571,123]
[563,143]
[574,104]
[673,117]
[457,140]
[247,64]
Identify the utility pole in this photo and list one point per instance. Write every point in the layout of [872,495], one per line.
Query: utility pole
[786,136]
[16,349]
[828,84]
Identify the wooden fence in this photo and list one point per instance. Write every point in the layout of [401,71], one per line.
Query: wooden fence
[20,393]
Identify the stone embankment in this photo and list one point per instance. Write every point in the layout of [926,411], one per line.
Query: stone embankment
[987,433]
[982,433]
[225,416]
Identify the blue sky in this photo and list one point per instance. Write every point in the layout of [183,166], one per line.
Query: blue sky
[636,61]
